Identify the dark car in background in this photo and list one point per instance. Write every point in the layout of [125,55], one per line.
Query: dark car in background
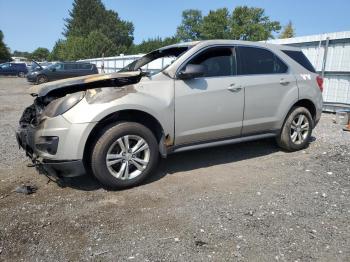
[61,70]
[38,66]
[13,69]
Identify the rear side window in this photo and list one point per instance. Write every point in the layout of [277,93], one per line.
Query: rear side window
[85,66]
[70,66]
[218,61]
[301,59]
[255,61]
[21,66]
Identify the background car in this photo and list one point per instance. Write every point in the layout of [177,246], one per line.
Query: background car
[14,69]
[60,70]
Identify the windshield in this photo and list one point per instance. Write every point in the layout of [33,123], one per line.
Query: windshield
[35,66]
[157,60]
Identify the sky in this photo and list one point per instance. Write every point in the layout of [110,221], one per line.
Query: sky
[28,24]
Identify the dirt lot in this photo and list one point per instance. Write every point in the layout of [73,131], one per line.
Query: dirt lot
[246,202]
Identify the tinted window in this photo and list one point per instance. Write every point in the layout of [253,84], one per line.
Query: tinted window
[84,66]
[219,61]
[20,66]
[57,67]
[301,59]
[70,67]
[5,66]
[259,61]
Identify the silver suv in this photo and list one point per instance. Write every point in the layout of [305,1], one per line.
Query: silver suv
[206,94]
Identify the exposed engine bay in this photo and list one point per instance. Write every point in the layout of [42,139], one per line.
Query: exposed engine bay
[50,96]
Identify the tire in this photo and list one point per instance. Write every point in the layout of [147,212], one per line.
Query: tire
[110,142]
[41,79]
[21,74]
[295,135]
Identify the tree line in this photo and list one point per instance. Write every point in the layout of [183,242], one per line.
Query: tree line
[93,31]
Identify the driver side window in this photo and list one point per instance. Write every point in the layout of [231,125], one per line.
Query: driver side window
[4,66]
[58,67]
[218,61]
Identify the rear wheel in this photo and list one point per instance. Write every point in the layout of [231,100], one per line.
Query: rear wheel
[297,129]
[41,79]
[124,155]
[21,74]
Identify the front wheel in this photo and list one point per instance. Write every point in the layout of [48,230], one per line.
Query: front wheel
[124,155]
[297,129]
[41,79]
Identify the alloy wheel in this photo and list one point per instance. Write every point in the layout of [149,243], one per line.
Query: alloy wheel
[128,157]
[41,80]
[299,129]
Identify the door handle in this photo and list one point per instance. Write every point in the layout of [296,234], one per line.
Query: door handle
[234,88]
[284,82]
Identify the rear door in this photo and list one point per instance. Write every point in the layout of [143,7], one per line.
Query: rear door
[84,69]
[270,89]
[55,72]
[71,70]
[209,107]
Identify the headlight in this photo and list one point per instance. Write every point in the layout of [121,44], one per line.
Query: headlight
[61,105]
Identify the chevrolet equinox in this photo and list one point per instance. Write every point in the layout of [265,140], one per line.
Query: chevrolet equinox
[205,93]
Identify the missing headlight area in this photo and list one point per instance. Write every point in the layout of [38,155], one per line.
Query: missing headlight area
[55,98]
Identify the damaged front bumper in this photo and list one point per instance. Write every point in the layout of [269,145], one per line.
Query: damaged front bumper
[59,168]
[54,146]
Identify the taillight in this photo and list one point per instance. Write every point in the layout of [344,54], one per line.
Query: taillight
[320,82]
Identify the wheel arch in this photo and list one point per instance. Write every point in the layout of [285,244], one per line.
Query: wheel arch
[42,75]
[130,115]
[309,105]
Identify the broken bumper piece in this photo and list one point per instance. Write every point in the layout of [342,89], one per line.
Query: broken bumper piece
[61,168]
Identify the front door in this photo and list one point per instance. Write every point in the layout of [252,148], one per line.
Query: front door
[209,107]
[5,69]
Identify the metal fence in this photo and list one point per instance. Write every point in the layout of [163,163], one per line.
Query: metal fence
[112,64]
[115,63]
[329,54]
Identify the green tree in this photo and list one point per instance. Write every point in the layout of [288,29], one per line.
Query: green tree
[250,23]
[40,54]
[95,44]
[190,27]
[4,50]
[98,44]
[288,31]
[216,25]
[245,23]
[89,16]
[21,54]
[58,51]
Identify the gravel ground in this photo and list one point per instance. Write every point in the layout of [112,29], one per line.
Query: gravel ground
[246,202]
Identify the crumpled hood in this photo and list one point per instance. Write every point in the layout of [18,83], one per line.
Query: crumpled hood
[82,83]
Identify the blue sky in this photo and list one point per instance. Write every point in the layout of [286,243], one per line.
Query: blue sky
[28,24]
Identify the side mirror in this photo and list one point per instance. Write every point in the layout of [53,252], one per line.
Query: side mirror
[53,69]
[192,71]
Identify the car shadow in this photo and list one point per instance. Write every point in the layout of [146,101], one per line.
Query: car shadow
[207,157]
[190,160]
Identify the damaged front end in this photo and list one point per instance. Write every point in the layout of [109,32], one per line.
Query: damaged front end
[51,101]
